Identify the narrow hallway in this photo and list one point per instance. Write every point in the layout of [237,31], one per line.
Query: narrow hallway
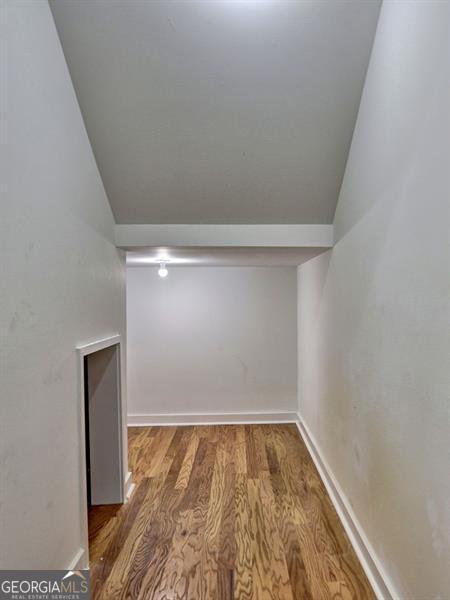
[228,511]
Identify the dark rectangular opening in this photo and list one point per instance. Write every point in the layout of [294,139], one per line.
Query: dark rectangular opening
[103,425]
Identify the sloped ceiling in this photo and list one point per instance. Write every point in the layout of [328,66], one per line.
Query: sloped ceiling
[219,111]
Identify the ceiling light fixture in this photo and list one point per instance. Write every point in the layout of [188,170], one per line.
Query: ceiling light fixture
[162,271]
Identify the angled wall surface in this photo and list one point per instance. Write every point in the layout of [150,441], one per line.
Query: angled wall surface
[374,312]
[62,284]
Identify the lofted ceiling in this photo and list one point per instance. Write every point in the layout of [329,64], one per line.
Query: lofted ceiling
[219,111]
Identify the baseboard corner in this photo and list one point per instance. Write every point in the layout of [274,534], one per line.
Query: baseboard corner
[78,562]
[129,487]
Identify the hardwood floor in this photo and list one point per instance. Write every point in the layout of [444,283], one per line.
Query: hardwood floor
[222,512]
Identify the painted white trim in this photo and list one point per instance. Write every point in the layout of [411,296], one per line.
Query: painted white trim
[78,561]
[376,574]
[129,486]
[212,418]
[307,236]
[85,349]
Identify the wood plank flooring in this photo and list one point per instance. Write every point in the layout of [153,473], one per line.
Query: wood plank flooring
[222,512]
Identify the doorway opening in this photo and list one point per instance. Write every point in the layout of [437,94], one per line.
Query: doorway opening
[103,427]
[102,430]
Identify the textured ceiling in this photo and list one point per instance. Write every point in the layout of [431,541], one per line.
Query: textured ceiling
[219,111]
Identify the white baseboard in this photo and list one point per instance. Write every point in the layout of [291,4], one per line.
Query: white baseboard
[212,418]
[78,561]
[382,586]
[129,486]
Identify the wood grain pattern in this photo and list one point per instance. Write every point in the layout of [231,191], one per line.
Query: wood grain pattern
[222,512]
[188,461]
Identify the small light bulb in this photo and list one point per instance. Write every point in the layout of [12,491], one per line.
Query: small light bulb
[162,271]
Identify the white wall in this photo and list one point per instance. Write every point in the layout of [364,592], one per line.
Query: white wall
[62,284]
[374,357]
[211,339]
